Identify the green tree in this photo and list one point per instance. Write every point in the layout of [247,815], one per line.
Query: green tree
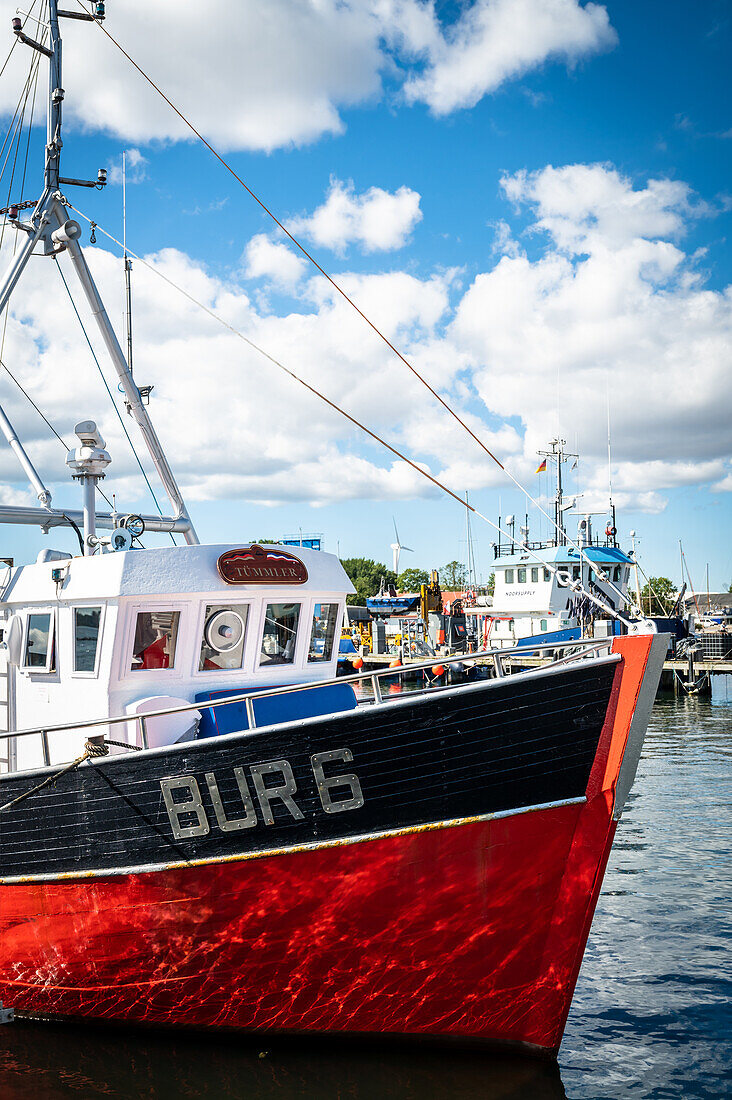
[490,588]
[658,596]
[411,579]
[453,576]
[365,576]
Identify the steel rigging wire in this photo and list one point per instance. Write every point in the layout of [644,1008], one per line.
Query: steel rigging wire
[576,546]
[573,585]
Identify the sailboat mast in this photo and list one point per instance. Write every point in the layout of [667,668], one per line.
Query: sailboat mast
[472,579]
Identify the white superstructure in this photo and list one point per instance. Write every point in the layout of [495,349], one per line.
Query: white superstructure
[145,629]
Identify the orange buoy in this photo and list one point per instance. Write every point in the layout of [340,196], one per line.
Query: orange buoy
[396,663]
[438,670]
[357,662]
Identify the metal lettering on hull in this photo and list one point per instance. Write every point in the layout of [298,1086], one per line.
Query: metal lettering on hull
[188,817]
[185,808]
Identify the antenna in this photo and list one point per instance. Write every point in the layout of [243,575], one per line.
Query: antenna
[613,525]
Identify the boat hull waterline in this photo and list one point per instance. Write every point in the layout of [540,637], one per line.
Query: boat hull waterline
[450,894]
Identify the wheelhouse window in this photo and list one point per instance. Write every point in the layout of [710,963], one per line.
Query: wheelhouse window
[547,575]
[534,576]
[509,576]
[575,572]
[521,573]
[616,573]
[87,621]
[280,634]
[223,638]
[39,643]
[542,625]
[322,634]
[156,634]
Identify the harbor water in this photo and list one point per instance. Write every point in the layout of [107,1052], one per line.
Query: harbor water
[651,1016]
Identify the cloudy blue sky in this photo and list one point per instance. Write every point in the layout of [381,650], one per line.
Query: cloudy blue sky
[530,197]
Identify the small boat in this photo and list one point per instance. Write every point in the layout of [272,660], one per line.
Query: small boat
[203,826]
[388,603]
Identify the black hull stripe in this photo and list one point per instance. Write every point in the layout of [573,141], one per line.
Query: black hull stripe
[116,872]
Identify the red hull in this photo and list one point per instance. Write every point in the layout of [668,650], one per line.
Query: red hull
[472,929]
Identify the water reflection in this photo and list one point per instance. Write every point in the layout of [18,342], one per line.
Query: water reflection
[55,1061]
[651,1015]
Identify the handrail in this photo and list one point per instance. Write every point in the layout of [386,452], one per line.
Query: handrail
[248,697]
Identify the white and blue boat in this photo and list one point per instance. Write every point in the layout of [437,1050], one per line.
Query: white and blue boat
[534,600]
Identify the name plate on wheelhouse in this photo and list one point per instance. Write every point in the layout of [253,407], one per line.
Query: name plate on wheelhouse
[255,565]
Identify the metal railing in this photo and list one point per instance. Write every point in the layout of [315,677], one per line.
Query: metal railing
[581,649]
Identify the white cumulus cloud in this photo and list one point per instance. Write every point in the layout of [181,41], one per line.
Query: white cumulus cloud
[376,220]
[262,76]
[497,40]
[608,305]
[265,258]
[527,349]
[581,205]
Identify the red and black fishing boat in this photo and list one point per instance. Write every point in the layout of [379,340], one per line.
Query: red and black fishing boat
[202,826]
[426,865]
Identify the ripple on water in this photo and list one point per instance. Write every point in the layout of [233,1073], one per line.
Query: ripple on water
[651,1016]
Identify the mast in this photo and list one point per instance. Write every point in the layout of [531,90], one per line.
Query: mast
[637,581]
[127,262]
[560,456]
[55,99]
[472,579]
[685,565]
[50,225]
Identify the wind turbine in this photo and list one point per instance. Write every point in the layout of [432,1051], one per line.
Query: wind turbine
[397,548]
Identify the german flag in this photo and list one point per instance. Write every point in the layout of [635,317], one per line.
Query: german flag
[541,467]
